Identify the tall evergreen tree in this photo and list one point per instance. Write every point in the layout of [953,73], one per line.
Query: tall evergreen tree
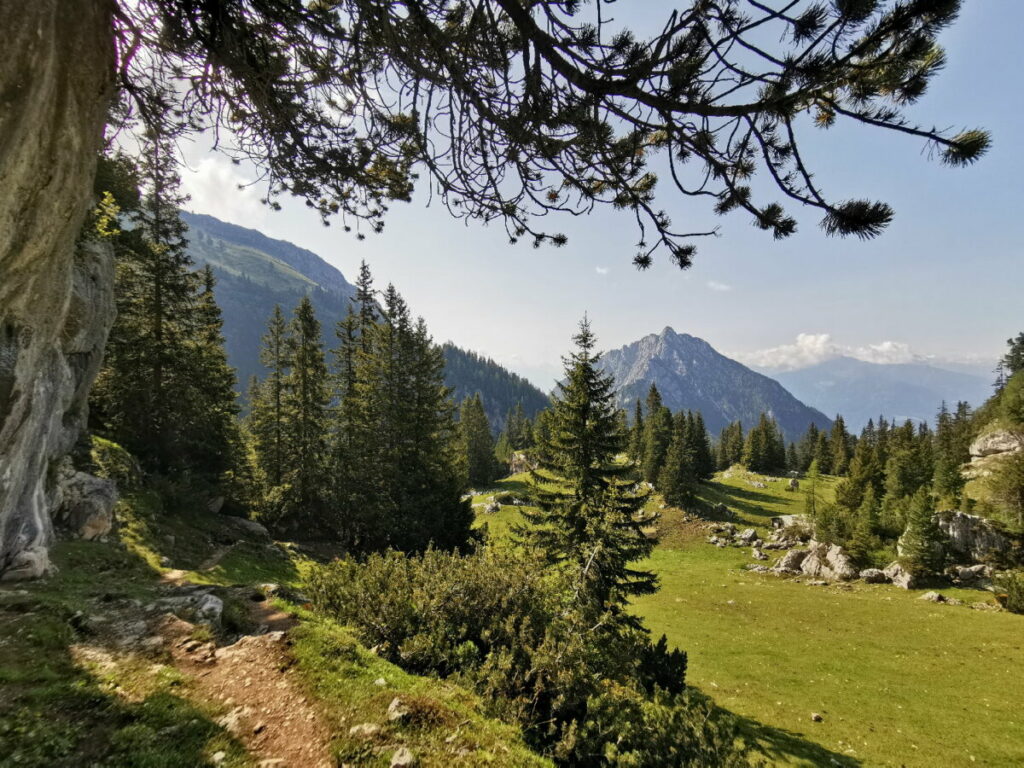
[636,436]
[839,442]
[657,435]
[921,545]
[146,393]
[700,446]
[678,477]
[306,397]
[212,436]
[477,442]
[592,524]
[266,403]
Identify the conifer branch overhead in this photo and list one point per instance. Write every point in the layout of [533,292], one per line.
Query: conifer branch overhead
[516,109]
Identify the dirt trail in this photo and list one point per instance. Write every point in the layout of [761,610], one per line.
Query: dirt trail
[254,679]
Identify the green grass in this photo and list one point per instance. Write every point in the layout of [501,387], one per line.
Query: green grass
[446,728]
[897,680]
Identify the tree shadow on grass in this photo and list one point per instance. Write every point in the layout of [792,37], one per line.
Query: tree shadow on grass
[778,745]
[746,501]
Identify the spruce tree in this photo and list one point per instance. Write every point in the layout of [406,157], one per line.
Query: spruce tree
[839,443]
[477,442]
[657,434]
[265,424]
[636,436]
[212,438]
[144,393]
[678,477]
[590,523]
[306,396]
[700,446]
[921,545]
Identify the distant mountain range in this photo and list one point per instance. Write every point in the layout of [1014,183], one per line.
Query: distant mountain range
[690,374]
[862,391]
[255,272]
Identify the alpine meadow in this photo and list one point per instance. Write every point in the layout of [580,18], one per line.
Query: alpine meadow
[567,383]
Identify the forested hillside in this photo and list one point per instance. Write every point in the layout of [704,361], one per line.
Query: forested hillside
[468,373]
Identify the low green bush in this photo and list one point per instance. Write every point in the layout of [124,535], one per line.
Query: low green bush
[1010,590]
[498,623]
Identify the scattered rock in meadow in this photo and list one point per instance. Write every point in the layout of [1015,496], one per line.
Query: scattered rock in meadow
[874,576]
[816,717]
[364,730]
[403,758]
[398,712]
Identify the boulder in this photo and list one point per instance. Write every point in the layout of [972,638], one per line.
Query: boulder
[397,711]
[748,536]
[874,576]
[86,503]
[492,507]
[973,536]
[757,554]
[30,563]
[933,597]
[969,573]
[900,576]
[794,484]
[791,561]
[829,562]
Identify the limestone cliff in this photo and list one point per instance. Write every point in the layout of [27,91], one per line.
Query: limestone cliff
[56,79]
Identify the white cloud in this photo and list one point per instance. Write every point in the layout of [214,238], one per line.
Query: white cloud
[601,270]
[213,186]
[714,285]
[813,348]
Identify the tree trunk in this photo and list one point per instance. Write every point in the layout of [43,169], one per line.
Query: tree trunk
[56,299]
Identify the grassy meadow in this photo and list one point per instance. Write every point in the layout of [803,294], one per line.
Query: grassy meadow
[897,681]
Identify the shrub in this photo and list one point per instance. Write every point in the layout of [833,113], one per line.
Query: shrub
[1010,590]
[512,631]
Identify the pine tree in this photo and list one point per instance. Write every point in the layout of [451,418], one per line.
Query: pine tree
[823,454]
[657,434]
[636,436]
[212,438]
[477,442]
[921,545]
[700,446]
[143,395]
[792,458]
[266,404]
[839,443]
[409,485]
[592,525]
[810,486]
[863,539]
[678,477]
[807,447]
[305,401]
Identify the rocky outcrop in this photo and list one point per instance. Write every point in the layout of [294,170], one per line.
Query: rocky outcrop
[873,576]
[989,449]
[84,503]
[56,77]
[828,562]
[972,537]
[996,442]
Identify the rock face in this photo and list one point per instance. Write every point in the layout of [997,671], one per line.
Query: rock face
[56,78]
[828,562]
[972,536]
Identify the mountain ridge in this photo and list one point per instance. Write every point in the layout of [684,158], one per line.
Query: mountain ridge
[692,374]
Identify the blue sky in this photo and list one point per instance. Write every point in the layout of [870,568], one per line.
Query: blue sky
[944,282]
